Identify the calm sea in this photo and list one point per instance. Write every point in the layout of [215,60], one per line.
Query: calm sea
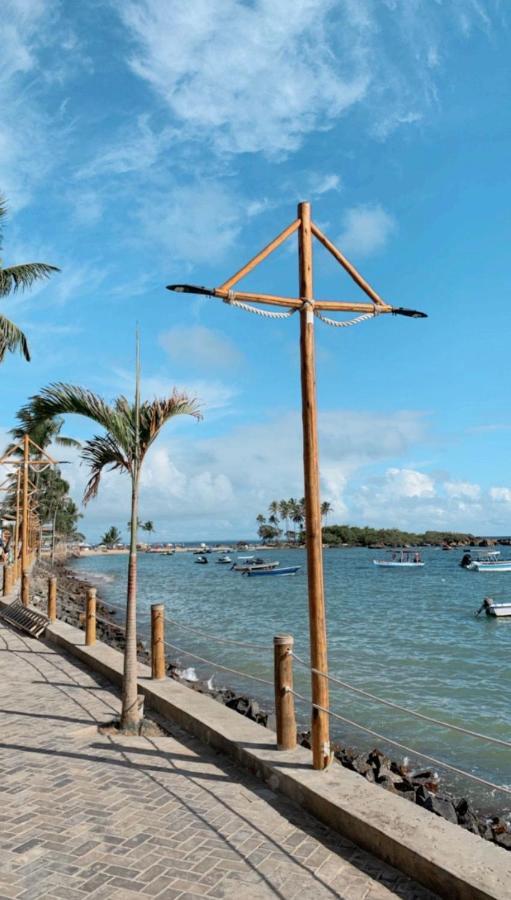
[406,635]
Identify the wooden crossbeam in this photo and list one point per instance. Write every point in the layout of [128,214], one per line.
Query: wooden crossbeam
[258,258]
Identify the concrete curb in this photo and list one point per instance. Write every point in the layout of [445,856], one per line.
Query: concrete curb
[451,862]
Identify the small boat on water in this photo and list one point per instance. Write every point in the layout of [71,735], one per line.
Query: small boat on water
[494,609]
[284,570]
[224,560]
[401,558]
[202,560]
[253,563]
[485,561]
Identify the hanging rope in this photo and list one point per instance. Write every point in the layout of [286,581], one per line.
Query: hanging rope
[404,709]
[265,313]
[219,640]
[335,323]
[411,750]
[217,665]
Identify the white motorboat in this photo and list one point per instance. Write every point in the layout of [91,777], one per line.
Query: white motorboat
[401,558]
[251,563]
[224,560]
[485,561]
[494,609]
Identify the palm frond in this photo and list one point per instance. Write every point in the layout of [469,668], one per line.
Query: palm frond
[67,442]
[23,276]
[12,338]
[101,452]
[156,413]
[59,399]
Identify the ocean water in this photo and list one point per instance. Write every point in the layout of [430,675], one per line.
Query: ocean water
[409,636]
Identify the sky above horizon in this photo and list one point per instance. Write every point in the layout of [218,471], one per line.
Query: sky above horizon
[150,141]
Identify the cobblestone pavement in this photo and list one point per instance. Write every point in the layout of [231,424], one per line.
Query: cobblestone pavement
[84,814]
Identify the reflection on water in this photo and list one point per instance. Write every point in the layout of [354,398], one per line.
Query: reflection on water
[407,635]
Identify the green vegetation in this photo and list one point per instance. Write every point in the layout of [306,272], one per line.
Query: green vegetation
[111,537]
[353,536]
[12,279]
[281,514]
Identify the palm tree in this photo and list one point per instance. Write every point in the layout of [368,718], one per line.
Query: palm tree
[130,430]
[148,526]
[13,279]
[326,509]
[111,536]
[284,512]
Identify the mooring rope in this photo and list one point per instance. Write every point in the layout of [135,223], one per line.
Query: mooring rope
[410,712]
[217,665]
[214,637]
[381,737]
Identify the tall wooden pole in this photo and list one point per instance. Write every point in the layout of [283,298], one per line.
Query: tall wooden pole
[25,578]
[17,526]
[317,618]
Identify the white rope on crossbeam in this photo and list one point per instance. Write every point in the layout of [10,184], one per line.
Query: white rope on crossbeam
[267,314]
[336,323]
[247,307]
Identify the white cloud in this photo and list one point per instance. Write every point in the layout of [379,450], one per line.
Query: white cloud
[365,230]
[500,494]
[201,347]
[261,76]
[194,484]
[409,483]
[197,223]
[462,489]
[323,184]
[247,77]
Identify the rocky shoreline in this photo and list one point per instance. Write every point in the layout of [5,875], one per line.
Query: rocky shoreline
[417,786]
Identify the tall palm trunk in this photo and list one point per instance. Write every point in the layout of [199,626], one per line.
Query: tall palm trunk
[130,716]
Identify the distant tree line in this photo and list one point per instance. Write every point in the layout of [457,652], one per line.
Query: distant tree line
[286,519]
[354,536]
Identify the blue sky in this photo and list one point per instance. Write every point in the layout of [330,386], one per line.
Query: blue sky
[154,141]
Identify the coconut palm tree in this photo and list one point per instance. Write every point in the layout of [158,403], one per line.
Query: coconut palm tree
[129,431]
[12,279]
[326,509]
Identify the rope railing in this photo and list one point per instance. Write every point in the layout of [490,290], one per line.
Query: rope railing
[404,709]
[217,665]
[414,752]
[111,624]
[214,637]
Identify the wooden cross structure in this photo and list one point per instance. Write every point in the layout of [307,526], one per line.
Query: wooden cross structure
[24,464]
[309,308]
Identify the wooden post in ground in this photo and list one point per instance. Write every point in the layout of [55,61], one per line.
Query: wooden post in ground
[90,618]
[317,619]
[284,700]
[52,598]
[25,578]
[17,526]
[7,586]
[158,640]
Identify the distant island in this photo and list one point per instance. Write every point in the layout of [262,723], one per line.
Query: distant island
[354,536]
[285,523]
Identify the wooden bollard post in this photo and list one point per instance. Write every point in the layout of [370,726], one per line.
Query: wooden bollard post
[7,579]
[90,618]
[52,598]
[284,700]
[158,640]
[25,588]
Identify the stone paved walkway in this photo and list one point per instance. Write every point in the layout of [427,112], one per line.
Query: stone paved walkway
[86,815]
